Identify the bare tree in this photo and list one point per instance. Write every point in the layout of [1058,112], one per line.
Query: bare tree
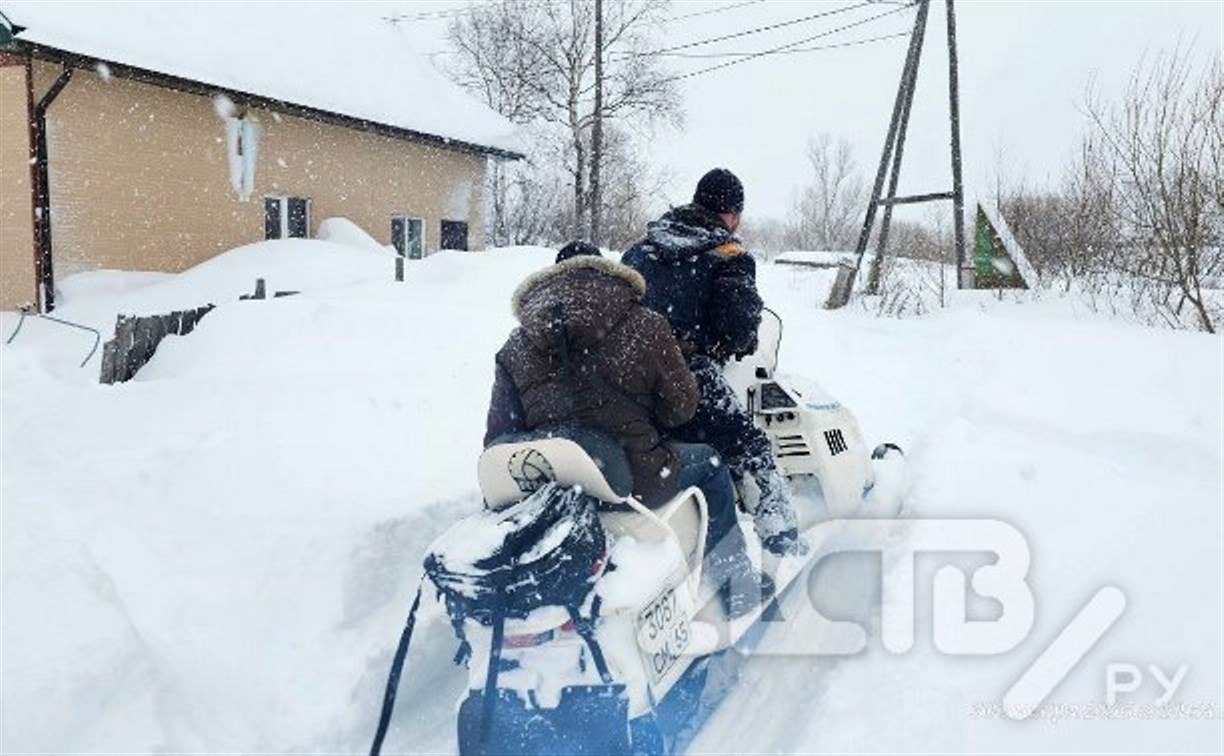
[1138,220]
[629,186]
[1068,231]
[543,70]
[826,212]
[1161,146]
[930,240]
[766,236]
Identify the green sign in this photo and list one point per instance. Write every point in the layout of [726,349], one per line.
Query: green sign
[993,267]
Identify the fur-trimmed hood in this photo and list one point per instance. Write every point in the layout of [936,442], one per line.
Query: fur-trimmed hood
[585,295]
[599,264]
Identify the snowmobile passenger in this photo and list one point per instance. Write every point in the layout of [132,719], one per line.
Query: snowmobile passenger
[700,277]
[587,353]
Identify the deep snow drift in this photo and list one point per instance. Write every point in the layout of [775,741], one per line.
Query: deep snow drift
[218,555]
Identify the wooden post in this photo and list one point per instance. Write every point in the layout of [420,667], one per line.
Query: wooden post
[107,372]
[964,265]
[873,273]
[597,156]
[894,145]
[43,259]
[873,203]
[839,295]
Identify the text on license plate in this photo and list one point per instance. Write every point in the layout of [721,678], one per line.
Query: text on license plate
[663,633]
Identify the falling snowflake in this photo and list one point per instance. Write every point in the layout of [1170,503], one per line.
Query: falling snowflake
[103,70]
[281,162]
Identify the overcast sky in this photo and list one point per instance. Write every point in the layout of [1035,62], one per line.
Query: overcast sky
[1025,66]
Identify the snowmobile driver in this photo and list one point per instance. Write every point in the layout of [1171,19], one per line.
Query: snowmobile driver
[700,277]
[588,353]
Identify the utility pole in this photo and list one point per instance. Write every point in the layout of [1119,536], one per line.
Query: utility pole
[890,166]
[596,194]
[964,265]
[905,101]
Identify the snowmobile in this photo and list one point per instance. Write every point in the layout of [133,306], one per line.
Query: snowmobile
[582,614]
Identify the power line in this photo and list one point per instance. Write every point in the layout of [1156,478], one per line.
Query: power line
[794,50]
[786,47]
[758,30]
[712,11]
[452,13]
[439,15]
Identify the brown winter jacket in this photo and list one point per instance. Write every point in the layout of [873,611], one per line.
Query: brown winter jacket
[588,353]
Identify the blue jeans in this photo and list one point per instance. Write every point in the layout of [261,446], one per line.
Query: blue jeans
[700,466]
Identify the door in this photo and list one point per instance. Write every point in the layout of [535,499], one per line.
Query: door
[397,235]
[454,235]
[408,237]
[298,222]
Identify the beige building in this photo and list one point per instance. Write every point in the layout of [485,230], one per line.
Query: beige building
[107,162]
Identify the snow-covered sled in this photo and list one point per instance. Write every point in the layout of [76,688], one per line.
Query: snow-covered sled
[619,664]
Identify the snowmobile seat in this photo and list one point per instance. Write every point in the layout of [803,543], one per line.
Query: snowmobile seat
[517,464]
[686,514]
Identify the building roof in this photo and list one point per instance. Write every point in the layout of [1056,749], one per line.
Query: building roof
[332,58]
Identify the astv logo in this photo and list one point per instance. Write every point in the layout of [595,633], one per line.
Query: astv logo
[1005,581]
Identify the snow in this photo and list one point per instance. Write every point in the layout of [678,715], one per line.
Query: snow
[319,55]
[218,555]
[814,257]
[344,231]
[642,567]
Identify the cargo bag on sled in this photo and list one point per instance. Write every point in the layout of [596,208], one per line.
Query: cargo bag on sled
[546,550]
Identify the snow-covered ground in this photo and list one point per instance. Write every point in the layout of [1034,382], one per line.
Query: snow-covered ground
[217,556]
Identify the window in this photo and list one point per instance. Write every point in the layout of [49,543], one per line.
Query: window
[286,217]
[454,235]
[273,217]
[408,236]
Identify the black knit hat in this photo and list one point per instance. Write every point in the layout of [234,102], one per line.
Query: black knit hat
[576,248]
[719,191]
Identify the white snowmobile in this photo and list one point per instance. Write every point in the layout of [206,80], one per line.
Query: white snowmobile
[612,658]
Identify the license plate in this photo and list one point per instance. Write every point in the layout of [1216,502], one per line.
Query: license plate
[663,634]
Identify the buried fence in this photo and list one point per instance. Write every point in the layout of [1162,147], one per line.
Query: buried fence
[137,337]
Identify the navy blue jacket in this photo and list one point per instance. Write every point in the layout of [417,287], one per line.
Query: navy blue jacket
[700,277]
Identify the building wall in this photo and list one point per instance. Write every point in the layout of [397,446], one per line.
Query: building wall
[17,283]
[140,177]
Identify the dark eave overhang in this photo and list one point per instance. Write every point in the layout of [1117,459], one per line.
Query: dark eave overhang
[75,60]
